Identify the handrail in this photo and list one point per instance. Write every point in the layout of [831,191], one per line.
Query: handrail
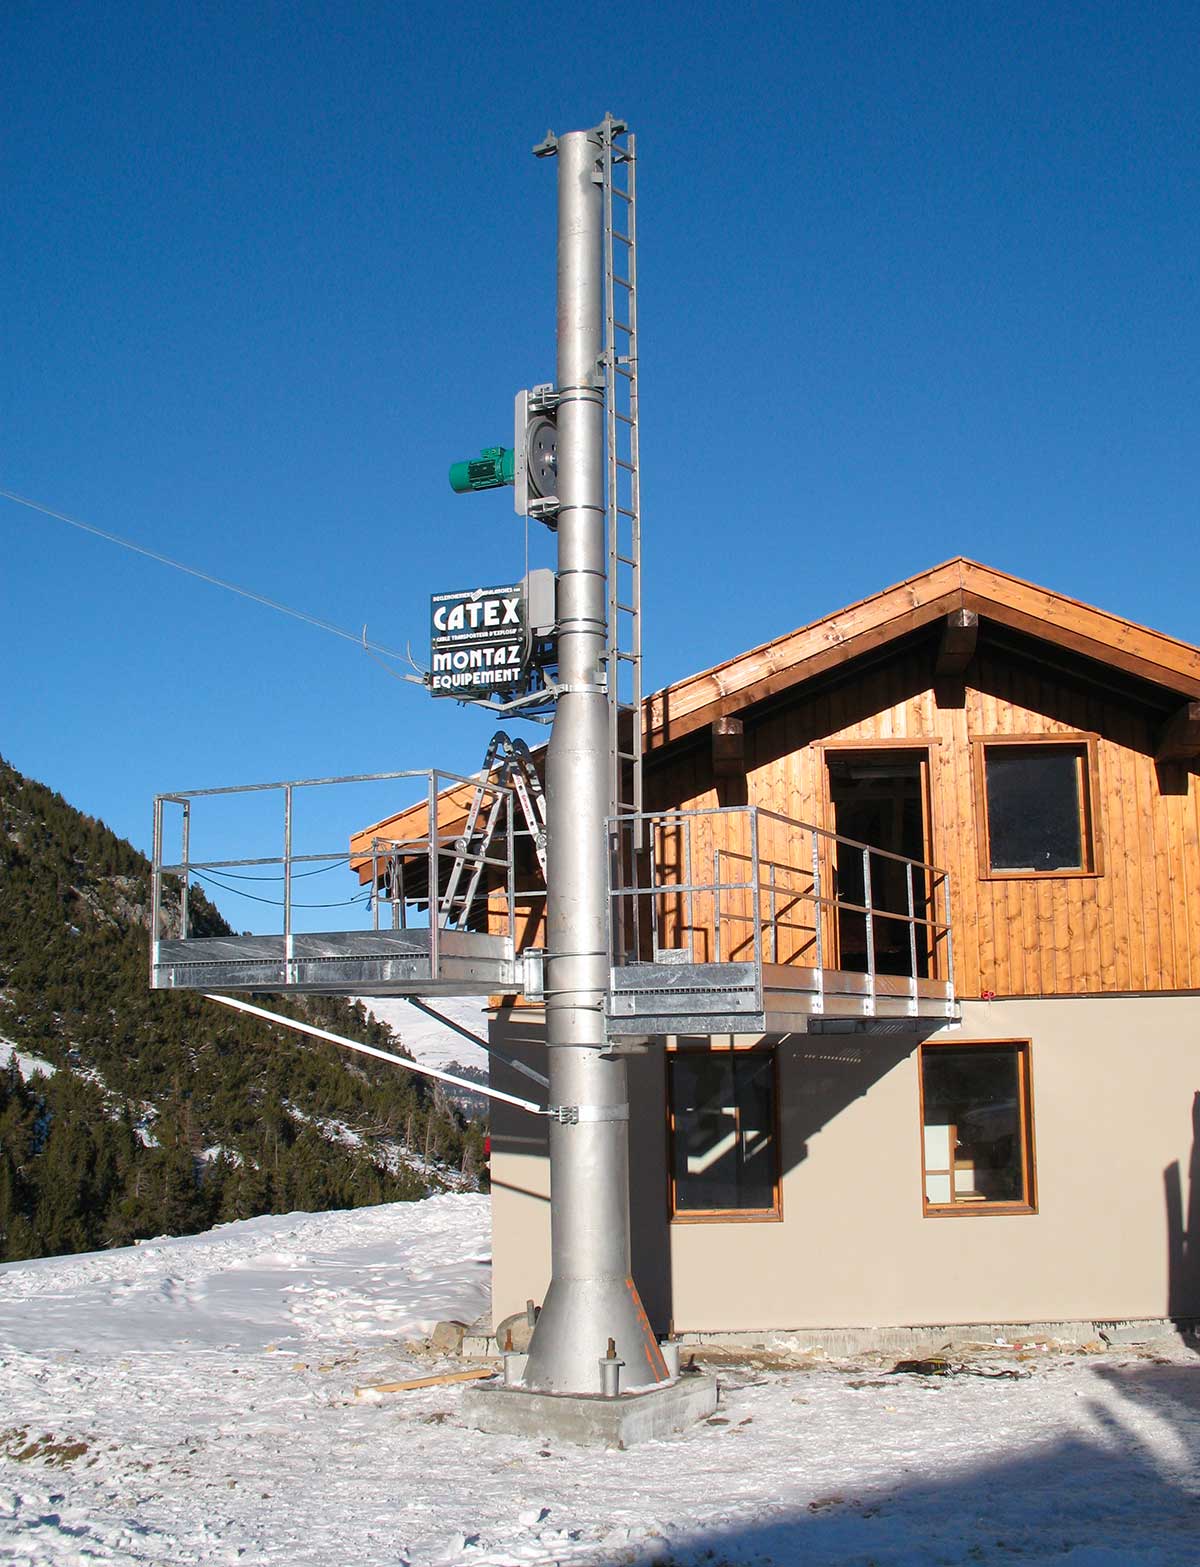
[387,888]
[694,870]
[177,796]
[776,816]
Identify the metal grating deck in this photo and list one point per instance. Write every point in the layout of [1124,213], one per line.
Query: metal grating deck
[342,963]
[737,998]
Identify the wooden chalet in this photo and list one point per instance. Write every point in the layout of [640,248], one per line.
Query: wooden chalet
[952,834]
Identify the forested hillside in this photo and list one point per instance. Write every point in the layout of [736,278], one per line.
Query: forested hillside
[164,1114]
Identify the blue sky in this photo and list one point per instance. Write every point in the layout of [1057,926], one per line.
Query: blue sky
[916,280]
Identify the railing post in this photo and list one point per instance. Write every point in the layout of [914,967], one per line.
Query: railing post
[375,884]
[949,936]
[717,902]
[774,915]
[636,836]
[510,879]
[818,920]
[869,922]
[185,887]
[756,886]
[435,912]
[690,900]
[654,933]
[912,926]
[288,940]
[155,887]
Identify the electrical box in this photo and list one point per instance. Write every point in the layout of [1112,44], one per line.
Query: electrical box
[541,610]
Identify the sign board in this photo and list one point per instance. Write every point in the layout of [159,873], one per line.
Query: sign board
[479,643]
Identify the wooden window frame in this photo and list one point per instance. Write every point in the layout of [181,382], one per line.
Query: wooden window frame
[772,1215]
[962,1210]
[1085,746]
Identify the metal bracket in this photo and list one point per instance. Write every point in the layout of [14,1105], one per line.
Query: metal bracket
[573,1115]
[564,687]
[534,988]
[544,509]
[543,398]
[534,705]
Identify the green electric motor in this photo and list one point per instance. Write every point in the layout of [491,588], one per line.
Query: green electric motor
[493,467]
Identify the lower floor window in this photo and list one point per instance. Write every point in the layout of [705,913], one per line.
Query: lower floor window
[723,1144]
[976,1124]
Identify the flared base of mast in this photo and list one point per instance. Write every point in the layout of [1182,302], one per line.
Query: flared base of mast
[574,1326]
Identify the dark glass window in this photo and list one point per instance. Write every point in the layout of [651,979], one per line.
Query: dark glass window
[975,1125]
[1035,808]
[723,1131]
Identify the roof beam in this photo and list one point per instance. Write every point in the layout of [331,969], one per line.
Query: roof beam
[1095,633]
[728,748]
[960,637]
[1179,737]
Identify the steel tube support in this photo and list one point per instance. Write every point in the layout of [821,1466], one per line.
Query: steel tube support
[288,943]
[592,1297]
[185,879]
[156,887]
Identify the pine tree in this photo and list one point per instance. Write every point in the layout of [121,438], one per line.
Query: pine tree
[78,1162]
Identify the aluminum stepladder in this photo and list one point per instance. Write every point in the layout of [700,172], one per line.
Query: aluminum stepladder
[507,762]
[623,655]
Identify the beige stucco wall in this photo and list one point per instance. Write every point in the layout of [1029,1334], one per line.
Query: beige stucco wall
[1113,1081]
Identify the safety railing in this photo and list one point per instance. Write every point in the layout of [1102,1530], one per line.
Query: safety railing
[737,884]
[435,881]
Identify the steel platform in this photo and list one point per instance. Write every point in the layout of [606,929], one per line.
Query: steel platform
[342,963]
[657,999]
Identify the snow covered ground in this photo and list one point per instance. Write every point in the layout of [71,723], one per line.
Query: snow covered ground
[192,1401]
[27,1065]
[432,1043]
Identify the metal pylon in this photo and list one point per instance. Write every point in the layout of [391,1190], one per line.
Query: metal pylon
[623,652]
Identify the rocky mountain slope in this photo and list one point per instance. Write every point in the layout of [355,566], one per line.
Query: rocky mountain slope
[161,1113]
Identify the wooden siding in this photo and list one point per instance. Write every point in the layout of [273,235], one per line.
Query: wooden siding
[1134,926]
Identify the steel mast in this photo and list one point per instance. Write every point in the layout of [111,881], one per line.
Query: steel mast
[592,1297]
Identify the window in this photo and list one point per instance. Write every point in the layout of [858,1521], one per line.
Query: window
[723,1141]
[1037,807]
[976,1129]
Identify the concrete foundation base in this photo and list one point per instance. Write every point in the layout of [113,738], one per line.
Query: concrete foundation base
[588,1418]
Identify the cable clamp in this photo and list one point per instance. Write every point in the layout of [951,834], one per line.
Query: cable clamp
[564,687]
[573,1115]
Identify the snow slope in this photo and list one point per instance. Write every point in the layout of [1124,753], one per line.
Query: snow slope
[192,1401]
[27,1065]
[432,1043]
[283,1280]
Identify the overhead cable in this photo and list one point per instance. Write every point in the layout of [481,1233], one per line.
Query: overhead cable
[358,637]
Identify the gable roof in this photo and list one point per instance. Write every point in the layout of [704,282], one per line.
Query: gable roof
[922,600]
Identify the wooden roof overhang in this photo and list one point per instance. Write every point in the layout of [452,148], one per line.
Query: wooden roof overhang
[1160,670]
[922,601]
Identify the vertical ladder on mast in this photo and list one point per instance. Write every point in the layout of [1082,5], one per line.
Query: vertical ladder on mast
[623,655]
[513,766]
